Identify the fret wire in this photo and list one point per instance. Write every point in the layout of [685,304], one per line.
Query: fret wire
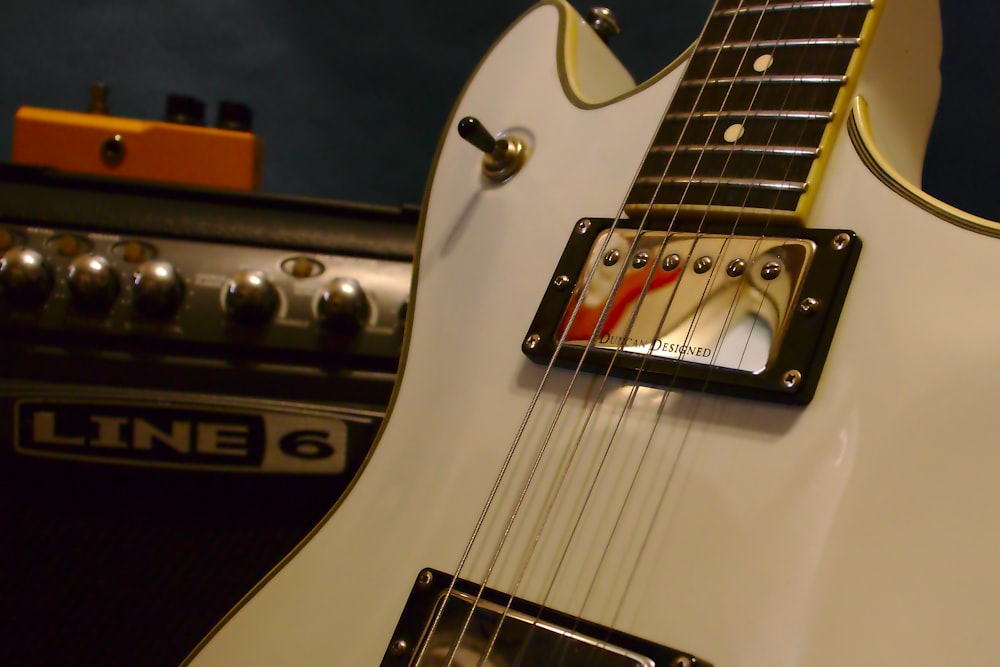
[807,109]
[791,6]
[730,80]
[785,186]
[853,42]
[748,114]
[794,151]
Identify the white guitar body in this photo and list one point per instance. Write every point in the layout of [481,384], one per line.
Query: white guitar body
[854,531]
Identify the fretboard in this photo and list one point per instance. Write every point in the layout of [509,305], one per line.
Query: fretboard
[752,115]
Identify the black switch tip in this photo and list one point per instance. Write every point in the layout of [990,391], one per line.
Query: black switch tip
[470,129]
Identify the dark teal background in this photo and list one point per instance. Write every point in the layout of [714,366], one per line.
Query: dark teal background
[350,98]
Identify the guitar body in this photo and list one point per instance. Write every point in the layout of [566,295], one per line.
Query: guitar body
[853,531]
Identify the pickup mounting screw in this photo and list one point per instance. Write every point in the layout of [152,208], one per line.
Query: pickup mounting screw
[399,647]
[841,241]
[561,282]
[425,579]
[533,341]
[809,306]
[682,661]
[791,379]
[582,226]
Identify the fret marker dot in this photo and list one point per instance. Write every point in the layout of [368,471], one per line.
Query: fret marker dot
[763,63]
[733,133]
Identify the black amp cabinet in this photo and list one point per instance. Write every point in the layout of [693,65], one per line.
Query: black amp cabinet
[189,379]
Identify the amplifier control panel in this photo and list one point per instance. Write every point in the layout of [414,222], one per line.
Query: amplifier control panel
[197,295]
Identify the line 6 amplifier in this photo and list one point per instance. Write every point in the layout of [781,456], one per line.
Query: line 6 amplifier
[196,329]
[189,379]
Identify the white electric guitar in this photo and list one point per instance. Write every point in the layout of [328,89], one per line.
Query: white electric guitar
[696,374]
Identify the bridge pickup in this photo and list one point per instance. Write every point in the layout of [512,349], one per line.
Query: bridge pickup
[750,314]
[502,631]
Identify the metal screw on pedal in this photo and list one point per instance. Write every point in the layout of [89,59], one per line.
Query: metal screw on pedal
[113,150]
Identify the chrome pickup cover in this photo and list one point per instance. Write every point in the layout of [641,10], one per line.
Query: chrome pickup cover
[748,314]
[478,627]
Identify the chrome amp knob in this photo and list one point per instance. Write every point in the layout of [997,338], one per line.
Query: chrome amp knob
[250,297]
[343,306]
[25,278]
[93,282]
[157,290]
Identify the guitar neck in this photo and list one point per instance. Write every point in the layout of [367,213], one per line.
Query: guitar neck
[753,115]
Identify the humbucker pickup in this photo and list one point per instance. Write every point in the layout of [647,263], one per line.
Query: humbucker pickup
[748,313]
[451,621]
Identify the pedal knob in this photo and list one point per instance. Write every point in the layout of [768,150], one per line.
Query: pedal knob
[343,306]
[235,116]
[184,110]
[93,282]
[25,278]
[250,297]
[157,290]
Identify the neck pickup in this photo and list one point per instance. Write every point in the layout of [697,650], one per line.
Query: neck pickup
[697,307]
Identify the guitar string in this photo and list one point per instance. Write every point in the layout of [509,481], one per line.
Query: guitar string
[519,434]
[594,476]
[723,333]
[729,314]
[491,497]
[597,475]
[736,298]
[535,463]
[659,503]
[630,323]
[640,465]
[448,593]
[800,141]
